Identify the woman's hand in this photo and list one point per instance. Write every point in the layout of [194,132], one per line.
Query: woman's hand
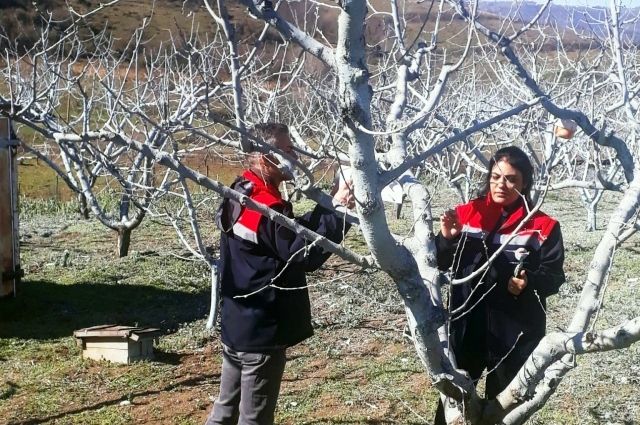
[449,225]
[517,284]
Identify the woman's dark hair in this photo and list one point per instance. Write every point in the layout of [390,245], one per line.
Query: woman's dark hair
[519,160]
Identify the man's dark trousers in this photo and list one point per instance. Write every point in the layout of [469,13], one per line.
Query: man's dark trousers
[254,379]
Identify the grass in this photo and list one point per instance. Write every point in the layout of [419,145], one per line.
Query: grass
[43,372]
[357,369]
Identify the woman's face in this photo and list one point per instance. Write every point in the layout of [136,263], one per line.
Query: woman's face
[505,183]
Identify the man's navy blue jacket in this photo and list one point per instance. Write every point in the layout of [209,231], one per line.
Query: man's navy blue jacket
[261,261]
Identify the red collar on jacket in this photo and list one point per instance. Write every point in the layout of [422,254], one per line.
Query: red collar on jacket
[482,215]
[514,213]
[260,185]
[246,227]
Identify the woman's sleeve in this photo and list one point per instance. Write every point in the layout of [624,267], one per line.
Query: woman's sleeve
[546,280]
[445,251]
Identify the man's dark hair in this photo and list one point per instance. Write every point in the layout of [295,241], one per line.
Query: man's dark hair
[519,160]
[268,131]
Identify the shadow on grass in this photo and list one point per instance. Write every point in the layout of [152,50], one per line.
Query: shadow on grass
[185,383]
[10,391]
[46,310]
[167,357]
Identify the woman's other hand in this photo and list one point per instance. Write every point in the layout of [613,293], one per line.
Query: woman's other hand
[517,284]
[449,225]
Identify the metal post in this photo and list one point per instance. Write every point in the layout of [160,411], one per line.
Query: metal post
[9,224]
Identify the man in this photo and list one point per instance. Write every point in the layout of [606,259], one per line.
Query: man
[261,263]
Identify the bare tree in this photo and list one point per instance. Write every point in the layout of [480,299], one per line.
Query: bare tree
[72,91]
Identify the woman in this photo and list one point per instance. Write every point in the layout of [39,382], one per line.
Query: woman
[498,317]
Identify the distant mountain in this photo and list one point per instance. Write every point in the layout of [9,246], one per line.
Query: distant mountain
[586,20]
[21,21]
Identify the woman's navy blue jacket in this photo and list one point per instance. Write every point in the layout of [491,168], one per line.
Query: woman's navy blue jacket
[483,307]
[265,302]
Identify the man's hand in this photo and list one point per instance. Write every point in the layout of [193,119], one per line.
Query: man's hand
[517,284]
[343,195]
[449,224]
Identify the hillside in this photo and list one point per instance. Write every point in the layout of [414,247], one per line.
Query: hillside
[586,20]
[21,19]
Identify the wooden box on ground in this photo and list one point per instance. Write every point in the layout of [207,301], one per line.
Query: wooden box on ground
[120,344]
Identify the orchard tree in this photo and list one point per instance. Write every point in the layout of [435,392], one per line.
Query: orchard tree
[66,93]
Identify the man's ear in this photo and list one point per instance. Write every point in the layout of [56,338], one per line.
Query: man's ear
[263,162]
[269,160]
